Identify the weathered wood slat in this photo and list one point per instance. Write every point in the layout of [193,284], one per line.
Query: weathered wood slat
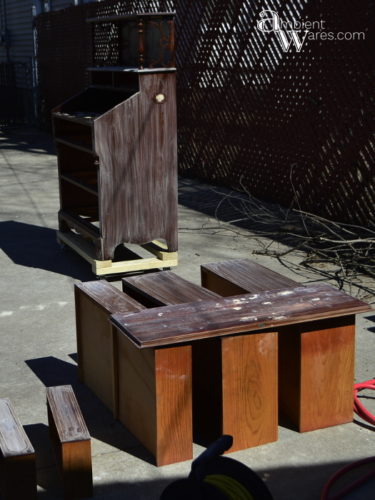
[164,288]
[71,439]
[225,316]
[238,276]
[17,457]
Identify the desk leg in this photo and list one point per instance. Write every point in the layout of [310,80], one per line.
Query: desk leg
[249,370]
[155,398]
[235,389]
[317,373]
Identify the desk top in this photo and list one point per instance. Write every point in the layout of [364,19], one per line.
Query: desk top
[244,313]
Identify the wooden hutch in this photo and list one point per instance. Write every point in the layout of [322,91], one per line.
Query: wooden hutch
[116,144]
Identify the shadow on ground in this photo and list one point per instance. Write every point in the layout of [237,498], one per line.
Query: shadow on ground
[52,371]
[30,140]
[36,246]
[284,483]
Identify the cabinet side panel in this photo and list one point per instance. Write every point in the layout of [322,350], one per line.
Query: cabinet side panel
[136,145]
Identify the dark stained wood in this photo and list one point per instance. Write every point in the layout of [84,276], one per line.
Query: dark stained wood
[225,316]
[71,440]
[95,302]
[17,457]
[138,188]
[238,276]
[125,143]
[164,288]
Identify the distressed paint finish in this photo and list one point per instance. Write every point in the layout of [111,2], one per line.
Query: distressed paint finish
[137,148]
[225,316]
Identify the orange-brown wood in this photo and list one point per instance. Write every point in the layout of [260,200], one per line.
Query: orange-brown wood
[71,441]
[155,398]
[327,373]
[17,457]
[224,371]
[174,432]
[250,409]
[95,301]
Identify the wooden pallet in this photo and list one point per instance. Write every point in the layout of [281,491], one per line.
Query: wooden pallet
[162,258]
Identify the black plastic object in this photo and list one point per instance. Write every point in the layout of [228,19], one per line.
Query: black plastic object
[211,463]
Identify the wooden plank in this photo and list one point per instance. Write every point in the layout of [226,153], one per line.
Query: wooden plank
[71,440]
[321,394]
[17,457]
[225,316]
[238,276]
[95,301]
[164,288]
[155,399]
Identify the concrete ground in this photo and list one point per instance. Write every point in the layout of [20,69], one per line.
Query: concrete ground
[38,345]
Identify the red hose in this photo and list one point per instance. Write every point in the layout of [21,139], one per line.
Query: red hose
[351,487]
[360,410]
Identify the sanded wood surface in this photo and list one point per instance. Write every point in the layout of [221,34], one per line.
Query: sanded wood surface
[155,400]
[238,276]
[225,316]
[66,413]
[71,440]
[249,384]
[164,288]
[17,457]
[13,439]
[327,373]
[95,301]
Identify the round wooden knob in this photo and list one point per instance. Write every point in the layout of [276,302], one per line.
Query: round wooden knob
[159,98]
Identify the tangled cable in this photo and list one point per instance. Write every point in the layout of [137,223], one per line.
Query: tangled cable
[358,406]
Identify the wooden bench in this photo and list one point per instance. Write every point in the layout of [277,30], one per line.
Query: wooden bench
[316,355]
[71,440]
[234,378]
[17,457]
[95,301]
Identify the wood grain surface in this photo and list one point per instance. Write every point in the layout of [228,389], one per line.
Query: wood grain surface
[136,144]
[249,368]
[13,438]
[327,373]
[95,301]
[238,276]
[225,316]
[71,441]
[164,288]
[231,376]
[155,400]
[67,416]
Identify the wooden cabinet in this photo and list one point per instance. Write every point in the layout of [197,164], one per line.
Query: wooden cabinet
[116,142]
